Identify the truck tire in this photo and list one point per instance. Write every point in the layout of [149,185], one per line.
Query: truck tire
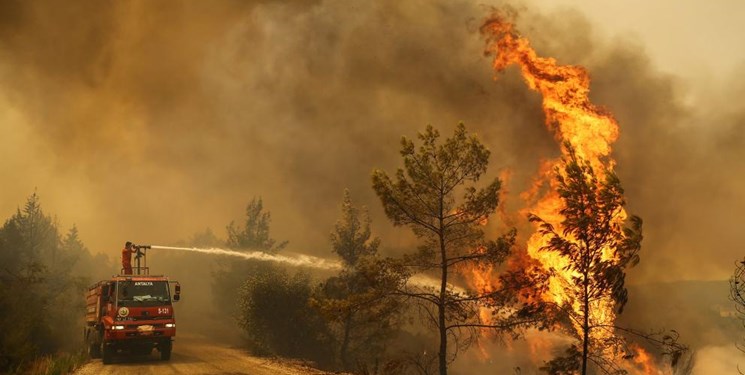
[107,354]
[165,351]
[94,349]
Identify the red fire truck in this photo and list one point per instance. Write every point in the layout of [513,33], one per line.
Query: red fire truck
[131,313]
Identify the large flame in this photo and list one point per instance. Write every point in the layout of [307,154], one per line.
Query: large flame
[573,119]
[590,129]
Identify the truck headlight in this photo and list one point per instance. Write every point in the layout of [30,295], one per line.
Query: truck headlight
[118,327]
[170,325]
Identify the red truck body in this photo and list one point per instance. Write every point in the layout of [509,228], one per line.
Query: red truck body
[130,314]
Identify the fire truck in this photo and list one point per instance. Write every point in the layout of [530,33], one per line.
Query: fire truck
[131,314]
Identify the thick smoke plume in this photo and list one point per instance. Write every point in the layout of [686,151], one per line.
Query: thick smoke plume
[158,119]
[153,120]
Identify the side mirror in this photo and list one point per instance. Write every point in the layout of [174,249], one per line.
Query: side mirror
[177,292]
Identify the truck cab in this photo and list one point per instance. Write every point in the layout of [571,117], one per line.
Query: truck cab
[131,314]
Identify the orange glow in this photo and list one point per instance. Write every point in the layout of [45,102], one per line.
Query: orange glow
[480,278]
[644,364]
[573,119]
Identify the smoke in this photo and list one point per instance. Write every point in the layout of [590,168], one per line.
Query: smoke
[157,120]
[718,360]
[153,120]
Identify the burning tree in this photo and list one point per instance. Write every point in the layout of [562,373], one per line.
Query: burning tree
[596,241]
[581,239]
[597,248]
[423,197]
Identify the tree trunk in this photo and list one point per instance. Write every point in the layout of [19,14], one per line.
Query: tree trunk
[442,301]
[585,326]
[343,355]
[441,322]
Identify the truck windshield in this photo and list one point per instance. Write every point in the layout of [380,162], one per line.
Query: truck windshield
[142,293]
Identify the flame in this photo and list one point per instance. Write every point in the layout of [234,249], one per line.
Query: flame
[574,119]
[643,363]
[564,88]
[481,278]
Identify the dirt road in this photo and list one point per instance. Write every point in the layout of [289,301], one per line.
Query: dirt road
[194,355]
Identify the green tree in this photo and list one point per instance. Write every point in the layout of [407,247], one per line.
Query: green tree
[73,248]
[598,246]
[39,239]
[253,235]
[435,194]
[206,238]
[276,316]
[36,277]
[363,314]
[351,239]
[76,259]
[75,269]
[33,236]
[81,264]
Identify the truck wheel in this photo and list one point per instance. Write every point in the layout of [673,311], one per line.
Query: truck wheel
[165,352]
[107,354]
[94,350]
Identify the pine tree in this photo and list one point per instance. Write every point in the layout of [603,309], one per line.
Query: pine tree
[253,235]
[436,195]
[362,313]
[598,247]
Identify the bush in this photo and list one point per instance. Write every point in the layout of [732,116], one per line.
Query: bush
[277,318]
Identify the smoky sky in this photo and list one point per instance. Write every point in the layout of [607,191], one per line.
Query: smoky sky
[150,121]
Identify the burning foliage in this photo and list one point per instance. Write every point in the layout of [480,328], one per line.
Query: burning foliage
[597,248]
[577,203]
[188,106]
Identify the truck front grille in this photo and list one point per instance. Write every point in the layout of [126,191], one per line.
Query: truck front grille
[137,334]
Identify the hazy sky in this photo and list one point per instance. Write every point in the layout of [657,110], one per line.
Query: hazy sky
[150,121]
[688,38]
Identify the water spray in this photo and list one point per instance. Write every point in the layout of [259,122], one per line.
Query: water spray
[300,260]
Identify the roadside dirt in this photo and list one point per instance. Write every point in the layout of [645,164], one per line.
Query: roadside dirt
[195,355]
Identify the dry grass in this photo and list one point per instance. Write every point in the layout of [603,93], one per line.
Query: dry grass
[57,364]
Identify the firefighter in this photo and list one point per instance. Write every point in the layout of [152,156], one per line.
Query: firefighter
[127,258]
